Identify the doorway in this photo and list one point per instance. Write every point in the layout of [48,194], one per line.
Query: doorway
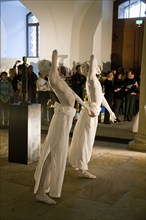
[127,41]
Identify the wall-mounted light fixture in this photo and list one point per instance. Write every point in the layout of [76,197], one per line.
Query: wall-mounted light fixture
[139,22]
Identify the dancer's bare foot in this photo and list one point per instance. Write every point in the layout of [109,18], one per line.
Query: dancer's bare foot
[45,199]
[86,174]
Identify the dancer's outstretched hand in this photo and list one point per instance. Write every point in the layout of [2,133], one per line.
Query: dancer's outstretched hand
[112,117]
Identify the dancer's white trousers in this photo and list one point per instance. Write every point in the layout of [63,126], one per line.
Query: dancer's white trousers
[83,139]
[55,148]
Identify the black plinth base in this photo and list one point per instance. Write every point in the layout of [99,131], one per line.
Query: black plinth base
[24,133]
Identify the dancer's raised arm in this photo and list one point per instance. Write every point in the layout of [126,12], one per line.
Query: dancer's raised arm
[54,72]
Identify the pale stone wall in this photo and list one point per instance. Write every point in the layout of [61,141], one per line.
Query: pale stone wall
[72,28]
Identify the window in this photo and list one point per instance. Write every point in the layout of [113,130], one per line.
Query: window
[132,9]
[32,36]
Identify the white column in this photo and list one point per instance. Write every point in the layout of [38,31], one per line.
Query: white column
[139,142]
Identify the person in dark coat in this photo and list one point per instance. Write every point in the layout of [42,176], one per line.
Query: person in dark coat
[131,89]
[109,94]
[78,82]
[118,93]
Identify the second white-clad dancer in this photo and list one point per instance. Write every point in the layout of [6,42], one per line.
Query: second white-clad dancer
[85,128]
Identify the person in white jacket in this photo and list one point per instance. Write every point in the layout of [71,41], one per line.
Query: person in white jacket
[49,173]
[85,129]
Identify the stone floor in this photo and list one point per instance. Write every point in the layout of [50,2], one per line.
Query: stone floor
[118,192]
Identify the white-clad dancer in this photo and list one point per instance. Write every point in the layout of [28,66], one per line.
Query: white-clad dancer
[85,128]
[49,173]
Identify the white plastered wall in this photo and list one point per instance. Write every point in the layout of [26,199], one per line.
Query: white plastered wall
[106,33]
[75,28]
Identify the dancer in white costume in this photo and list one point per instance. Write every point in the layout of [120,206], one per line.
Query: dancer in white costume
[50,170]
[85,128]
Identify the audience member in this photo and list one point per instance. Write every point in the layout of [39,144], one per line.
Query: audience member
[45,94]
[16,63]
[18,95]
[12,74]
[32,78]
[118,94]
[71,73]
[68,79]
[17,78]
[109,95]
[6,92]
[78,82]
[131,89]
[62,72]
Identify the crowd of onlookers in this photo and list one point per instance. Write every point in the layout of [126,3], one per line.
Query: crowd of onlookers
[120,87]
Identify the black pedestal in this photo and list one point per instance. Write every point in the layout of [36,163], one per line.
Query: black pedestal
[24,133]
